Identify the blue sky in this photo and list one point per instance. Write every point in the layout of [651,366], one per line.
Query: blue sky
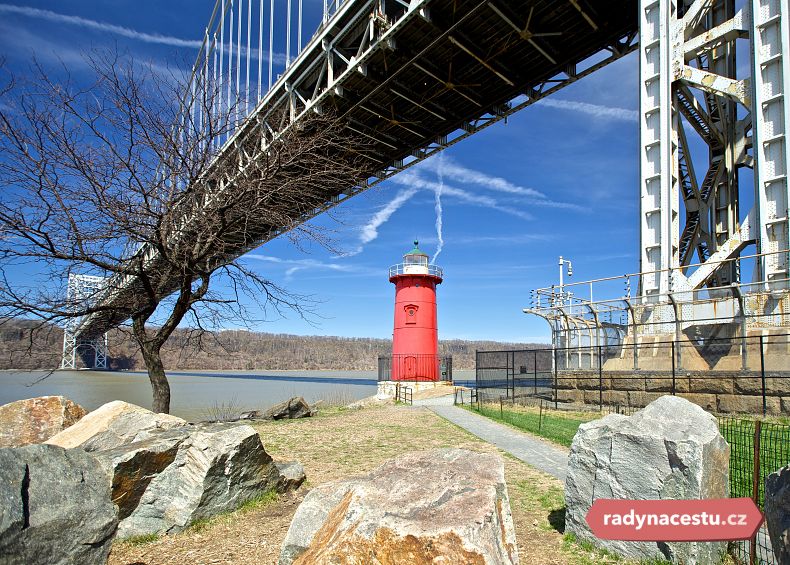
[559,178]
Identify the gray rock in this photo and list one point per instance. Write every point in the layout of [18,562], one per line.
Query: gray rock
[174,477]
[293,408]
[671,449]
[291,475]
[777,512]
[112,425]
[54,507]
[439,506]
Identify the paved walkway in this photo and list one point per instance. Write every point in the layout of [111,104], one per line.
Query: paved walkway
[539,454]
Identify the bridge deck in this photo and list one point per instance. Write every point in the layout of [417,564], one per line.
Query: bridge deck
[414,81]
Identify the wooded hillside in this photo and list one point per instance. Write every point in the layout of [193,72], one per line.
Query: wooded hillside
[228,350]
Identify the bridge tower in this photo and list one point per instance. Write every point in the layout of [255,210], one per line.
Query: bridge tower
[720,75]
[92,351]
[415,338]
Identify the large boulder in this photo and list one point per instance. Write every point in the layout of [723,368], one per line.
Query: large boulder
[173,477]
[112,425]
[671,449]
[296,407]
[777,512]
[55,507]
[35,420]
[439,506]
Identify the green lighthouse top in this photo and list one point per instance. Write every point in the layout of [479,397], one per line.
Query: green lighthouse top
[416,250]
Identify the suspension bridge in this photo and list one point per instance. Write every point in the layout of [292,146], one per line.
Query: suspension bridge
[414,77]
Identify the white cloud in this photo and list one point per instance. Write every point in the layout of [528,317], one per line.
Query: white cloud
[414,181]
[459,173]
[595,110]
[465,175]
[99,26]
[438,208]
[293,266]
[369,231]
[155,38]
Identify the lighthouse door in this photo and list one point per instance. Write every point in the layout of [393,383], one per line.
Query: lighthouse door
[410,368]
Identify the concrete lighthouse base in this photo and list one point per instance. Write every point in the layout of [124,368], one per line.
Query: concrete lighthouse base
[388,389]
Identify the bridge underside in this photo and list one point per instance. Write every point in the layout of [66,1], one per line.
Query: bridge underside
[409,82]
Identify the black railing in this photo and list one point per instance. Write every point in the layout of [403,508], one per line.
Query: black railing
[728,375]
[404,394]
[415,367]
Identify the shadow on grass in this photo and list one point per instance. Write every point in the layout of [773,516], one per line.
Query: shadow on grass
[557,519]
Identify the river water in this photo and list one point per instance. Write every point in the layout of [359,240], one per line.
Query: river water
[194,394]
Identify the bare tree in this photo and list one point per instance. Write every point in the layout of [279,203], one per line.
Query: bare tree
[114,178]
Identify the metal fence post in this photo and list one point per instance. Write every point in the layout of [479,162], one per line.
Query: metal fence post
[762,375]
[535,373]
[673,367]
[555,378]
[600,379]
[755,485]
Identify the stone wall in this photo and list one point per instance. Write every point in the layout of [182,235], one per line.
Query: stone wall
[722,392]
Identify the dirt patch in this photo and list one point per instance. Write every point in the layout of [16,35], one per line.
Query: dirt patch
[347,443]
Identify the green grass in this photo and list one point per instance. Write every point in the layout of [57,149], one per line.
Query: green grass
[141,540]
[559,429]
[255,503]
[739,433]
[774,453]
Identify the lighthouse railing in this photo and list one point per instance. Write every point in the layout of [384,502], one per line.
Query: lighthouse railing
[412,269]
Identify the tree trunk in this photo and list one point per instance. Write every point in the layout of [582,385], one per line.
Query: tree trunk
[156,374]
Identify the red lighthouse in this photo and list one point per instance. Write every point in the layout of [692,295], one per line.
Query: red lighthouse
[415,339]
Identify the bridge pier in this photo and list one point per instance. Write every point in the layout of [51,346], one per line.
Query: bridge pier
[83,290]
[92,352]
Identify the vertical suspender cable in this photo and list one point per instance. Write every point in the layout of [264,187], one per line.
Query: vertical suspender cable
[260,53]
[204,96]
[249,32]
[237,113]
[221,78]
[326,11]
[299,31]
[214,93]
[271,40]
[230,72]
[288,35]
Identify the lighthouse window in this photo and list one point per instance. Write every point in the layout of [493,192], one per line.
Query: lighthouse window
[411,314]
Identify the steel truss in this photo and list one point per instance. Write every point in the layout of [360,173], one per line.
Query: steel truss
[689,85]
[93,351]
[412,77]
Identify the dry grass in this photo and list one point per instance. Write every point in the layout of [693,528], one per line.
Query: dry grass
[342,444]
